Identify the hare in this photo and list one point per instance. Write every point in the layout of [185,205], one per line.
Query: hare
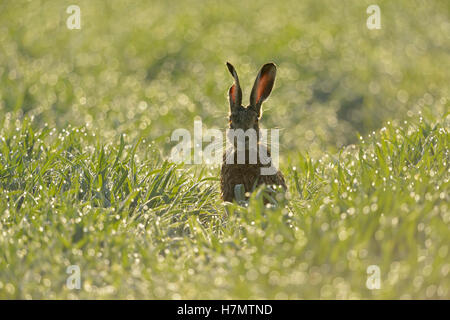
[235,174]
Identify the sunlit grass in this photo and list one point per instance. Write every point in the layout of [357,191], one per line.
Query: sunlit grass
[146,228]
[85,121]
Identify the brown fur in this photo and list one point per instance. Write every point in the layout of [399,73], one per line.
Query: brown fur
[248,174]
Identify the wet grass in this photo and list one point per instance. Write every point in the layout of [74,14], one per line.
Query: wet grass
[86,117]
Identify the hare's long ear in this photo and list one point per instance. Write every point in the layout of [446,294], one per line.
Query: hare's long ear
[235,92]
[263,86]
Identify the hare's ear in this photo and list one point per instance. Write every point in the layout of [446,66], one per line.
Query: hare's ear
[235,92]
[263,86]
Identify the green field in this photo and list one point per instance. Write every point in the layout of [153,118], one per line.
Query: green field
[85,123]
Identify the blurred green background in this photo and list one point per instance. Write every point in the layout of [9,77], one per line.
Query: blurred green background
[149,67]
[73,192]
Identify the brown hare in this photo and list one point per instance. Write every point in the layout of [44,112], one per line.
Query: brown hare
[243,176]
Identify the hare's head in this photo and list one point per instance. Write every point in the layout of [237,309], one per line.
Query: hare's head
[247,117]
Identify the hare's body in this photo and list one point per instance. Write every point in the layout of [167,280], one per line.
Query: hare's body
[248,173]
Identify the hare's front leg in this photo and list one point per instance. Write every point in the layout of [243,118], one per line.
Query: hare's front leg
[227,194]
[226,188]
